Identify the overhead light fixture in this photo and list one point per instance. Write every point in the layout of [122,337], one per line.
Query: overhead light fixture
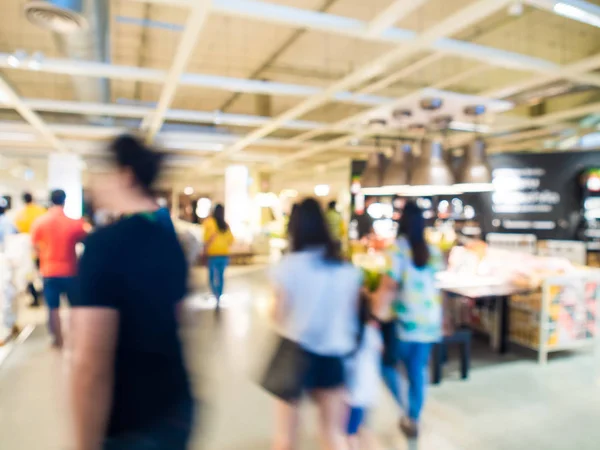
[475,174]
[371,177]
[188,190]
[290,193]
[578,14]
[431,175]
[396,173]
[322,190]
[515,9]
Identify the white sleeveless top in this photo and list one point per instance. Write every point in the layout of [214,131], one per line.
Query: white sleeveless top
[320,302]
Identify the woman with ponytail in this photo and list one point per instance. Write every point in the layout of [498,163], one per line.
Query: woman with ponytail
[418,308]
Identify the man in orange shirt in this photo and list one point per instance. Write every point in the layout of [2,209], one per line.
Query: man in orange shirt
[55,237]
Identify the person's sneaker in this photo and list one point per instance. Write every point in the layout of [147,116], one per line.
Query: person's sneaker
[15,331]
[409,427]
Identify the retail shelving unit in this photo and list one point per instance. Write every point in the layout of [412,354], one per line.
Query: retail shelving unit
[563,315]
[526,243]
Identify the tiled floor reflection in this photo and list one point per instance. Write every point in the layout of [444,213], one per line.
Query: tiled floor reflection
[508,404]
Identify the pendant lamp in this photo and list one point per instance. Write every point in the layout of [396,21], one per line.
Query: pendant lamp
[371,177]
[475,175]
[431,175]
[395,176]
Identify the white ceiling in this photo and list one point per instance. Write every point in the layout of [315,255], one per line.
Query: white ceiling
[169,61]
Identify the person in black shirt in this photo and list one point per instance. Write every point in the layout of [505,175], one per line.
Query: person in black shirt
[129,385]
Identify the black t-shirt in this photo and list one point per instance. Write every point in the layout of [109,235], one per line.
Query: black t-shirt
[137,267]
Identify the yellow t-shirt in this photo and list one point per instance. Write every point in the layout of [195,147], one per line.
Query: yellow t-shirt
[217,242]
[27,216]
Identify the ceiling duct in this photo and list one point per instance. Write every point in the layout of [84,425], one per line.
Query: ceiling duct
[80,28]
[475,174]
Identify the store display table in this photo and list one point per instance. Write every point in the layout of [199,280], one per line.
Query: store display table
[500,293]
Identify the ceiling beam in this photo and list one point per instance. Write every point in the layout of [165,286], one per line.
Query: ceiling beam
[397,11]
[139,112]
[473,13]
[231,84]
[345,26]
[573,71]
[20,133]
[30,116]
[153,122]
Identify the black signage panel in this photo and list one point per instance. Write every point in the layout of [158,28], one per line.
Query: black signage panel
[538,193]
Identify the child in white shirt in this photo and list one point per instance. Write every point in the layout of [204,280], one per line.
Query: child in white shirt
[365,373]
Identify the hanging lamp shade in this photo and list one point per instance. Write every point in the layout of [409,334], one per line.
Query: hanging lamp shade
[431,174]
[396,173]
[371,177]
[475,175]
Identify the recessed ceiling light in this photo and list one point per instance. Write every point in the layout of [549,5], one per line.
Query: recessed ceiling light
[188,190]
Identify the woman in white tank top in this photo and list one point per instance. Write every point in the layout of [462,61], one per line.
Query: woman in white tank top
[317,307]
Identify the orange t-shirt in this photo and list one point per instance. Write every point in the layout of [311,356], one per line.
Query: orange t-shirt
[55,236]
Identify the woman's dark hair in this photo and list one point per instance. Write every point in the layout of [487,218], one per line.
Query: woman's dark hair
[412,226]
[219,216]
[309,230]
[144,163]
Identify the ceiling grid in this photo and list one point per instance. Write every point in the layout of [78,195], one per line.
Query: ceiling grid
[489,52]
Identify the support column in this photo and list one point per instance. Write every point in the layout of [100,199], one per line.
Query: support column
[64,172]
[237,200]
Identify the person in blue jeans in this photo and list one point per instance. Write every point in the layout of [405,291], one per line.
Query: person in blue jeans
[418,308]
[217,241]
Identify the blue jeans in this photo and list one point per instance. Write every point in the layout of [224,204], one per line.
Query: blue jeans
[171,433]
[216,274]
[54,287]
[415,358]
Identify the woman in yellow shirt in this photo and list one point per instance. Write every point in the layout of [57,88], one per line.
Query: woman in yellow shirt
[217,242]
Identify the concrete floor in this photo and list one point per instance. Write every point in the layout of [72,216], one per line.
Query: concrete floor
[509,403]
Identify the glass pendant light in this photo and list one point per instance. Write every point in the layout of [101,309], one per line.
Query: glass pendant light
[475,174]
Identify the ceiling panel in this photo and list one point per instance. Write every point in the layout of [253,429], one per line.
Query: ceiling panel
[40,85]
[537,33]
[431,13]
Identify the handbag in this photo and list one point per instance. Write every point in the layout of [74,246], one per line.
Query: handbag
[286,373]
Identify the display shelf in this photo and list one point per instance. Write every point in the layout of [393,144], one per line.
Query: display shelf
[562,316]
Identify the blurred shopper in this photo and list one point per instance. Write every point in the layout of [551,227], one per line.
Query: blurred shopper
[29,214]
[418,307]
[130,388]
[316,313]
[363,221]
[24,221]
[289,226]
[54,235]
[335,222]
[8,327]
[6,226]
[364,369]
[217,241]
